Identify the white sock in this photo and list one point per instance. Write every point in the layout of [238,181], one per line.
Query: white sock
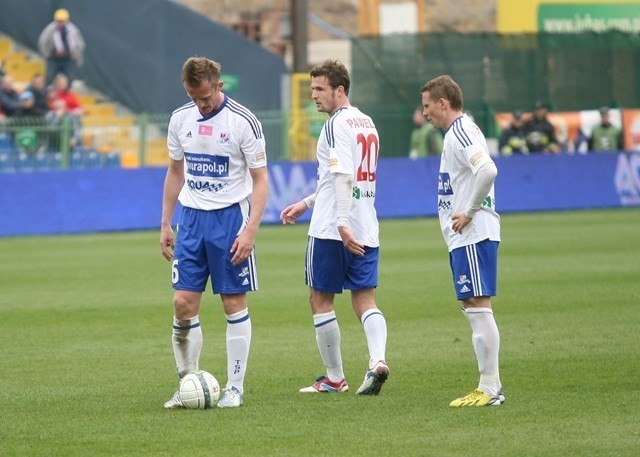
[187,344]
[238,343]
[328,339]
[486,343]
[375,329]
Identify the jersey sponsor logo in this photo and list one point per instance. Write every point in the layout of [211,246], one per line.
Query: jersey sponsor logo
[333,163]
[260,156]
[359,193]
[205,186]
[210,166]
[206,130]
[444,184]
[444,205]
[189,134]
[464,290]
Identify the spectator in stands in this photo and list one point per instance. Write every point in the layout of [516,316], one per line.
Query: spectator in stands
[61,125]
[9,97]
[605,136]
[60,90]
[29,122]
[539,132]
[61,42]
[38,88]
[426,140]
[513,139]
[28,106]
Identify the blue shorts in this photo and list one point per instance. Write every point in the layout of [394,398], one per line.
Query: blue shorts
[202,250]
[330,267]
[475,269]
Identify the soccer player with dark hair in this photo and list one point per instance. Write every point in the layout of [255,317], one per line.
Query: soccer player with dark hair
[343,244]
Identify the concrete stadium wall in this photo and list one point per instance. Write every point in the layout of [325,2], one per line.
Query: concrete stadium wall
[81,201]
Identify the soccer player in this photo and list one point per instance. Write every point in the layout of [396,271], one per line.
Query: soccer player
[342,248]
[218,173]
[470,226]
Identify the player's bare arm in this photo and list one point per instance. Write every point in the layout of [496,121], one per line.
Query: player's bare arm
[243,245]
[172,184]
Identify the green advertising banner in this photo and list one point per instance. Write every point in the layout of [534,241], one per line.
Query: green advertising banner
[589,17]
[230,82]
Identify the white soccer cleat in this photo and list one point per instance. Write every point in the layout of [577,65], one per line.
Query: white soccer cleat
[231,398]
[373,379]
[175,402]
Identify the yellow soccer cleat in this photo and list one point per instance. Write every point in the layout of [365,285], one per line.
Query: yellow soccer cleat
[475,398]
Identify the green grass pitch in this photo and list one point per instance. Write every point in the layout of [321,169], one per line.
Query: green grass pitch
[86,362]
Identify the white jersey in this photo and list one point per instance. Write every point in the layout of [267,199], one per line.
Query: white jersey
[348,144]
[218,150]
[464,152]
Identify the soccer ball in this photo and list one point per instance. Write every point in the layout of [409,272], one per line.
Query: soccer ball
[199,390]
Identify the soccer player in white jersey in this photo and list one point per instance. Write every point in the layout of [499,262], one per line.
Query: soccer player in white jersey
[218,173]
[342,249]
[471,227]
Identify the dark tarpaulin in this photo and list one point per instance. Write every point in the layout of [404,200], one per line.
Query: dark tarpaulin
[135,50]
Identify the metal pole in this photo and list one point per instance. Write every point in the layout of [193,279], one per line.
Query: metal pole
[299,27]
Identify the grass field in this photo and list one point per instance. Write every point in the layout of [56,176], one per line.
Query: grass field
[86,361]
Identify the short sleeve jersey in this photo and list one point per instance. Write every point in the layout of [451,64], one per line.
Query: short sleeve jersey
[218,150]
[464,152]
[348,144]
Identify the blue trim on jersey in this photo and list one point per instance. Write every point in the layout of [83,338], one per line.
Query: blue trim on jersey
[177,327]
[237,321]
[248,115]
[325,322]
[184,107]
[329,127]
[214,112]
[460,134]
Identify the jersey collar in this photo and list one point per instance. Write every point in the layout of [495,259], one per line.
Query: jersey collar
[215,111]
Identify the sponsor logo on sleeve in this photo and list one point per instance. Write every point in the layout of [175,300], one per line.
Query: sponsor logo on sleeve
[476,158]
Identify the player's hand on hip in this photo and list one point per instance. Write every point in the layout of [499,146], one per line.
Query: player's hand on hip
[460,221]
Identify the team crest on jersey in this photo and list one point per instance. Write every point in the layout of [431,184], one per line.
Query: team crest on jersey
[205,130]
[462,279]
[224,138]
[244,272]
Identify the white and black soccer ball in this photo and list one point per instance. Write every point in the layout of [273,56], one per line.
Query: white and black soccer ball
[199,390]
